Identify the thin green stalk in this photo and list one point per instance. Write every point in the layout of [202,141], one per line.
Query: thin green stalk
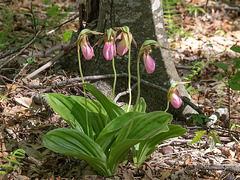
[84,90]
[115,78]
[129,73]
[138,96]
[167,106]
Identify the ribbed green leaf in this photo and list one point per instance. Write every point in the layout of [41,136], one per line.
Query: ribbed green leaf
[96,113]
[148,146]
[145,126]
[235,48]
[120,151]
[70,110]
[110,132]
[71,142]
[141,107]
[221,65]
[235,81]
[111,108]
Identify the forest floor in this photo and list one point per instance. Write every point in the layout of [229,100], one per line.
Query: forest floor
[24,119]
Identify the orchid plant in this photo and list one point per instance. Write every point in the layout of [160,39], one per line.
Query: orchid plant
[102,133]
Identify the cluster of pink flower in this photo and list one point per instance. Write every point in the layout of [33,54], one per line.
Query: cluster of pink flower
[109,52]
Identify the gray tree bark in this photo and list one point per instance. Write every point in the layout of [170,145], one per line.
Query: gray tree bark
[145,21]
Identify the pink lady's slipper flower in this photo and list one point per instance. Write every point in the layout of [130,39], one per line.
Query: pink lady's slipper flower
[148,61]
[86,48]
[175,100]
[109,50]
[123,45]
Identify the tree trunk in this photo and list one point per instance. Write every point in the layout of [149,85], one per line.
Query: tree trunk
[145,21]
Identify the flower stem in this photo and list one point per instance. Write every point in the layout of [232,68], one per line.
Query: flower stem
[167,106]
[129,73]
[138,96]
[115,78]
[84,90]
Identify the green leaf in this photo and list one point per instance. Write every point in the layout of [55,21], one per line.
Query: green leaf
[112,129]
[237,63]
[73,143]
[195,13]
[235,82]
[148,146]
[30,60]
[120,151]
[221,65]
[144,126]
[67,35]
[219,78]
[19,153]
[220,31]
[141,107]
[3,172]
[111,108]
[52,11]
[200,118]
[214,138]
[96,113]
[235,48]
[70,110]
[1,96]
[198,136]
[201,9]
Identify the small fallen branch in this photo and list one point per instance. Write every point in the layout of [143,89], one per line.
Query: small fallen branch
[98,77]
[53,60]
[4,77]
[20,52]
[47,65]
[235,169]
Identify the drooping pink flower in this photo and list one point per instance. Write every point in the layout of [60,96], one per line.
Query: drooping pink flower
[175,100]
[148,61]
[123,45]
[109,50]
[86,48]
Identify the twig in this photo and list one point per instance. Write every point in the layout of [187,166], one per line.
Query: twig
[187,101]
[219,129]
[205,6]
[14,79]
[236,140]
[57,57]
[59,26]
[2,58]
[47,52]
[97,77]
[124,93]
[47,65]
[234,169]
[15,82]
[22,49]
[226,7]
